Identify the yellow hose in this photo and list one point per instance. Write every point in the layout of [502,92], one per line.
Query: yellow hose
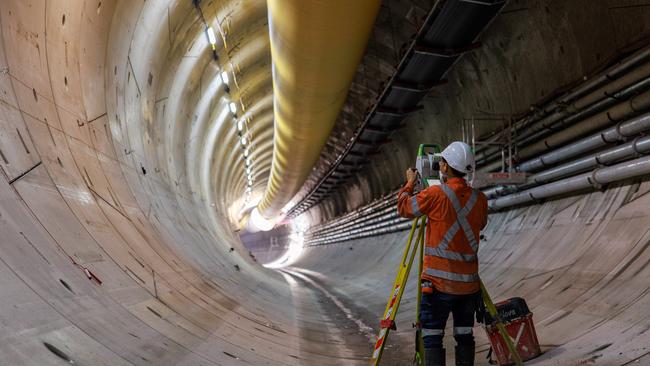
[316,46]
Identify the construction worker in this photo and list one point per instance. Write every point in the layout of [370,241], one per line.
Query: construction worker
[450,283]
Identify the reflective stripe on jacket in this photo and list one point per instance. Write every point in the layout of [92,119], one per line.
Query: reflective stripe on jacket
[456,214]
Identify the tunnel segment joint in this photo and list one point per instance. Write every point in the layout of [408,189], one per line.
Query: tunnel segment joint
[425,50]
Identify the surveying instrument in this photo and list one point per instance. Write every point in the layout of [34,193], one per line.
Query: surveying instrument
[427,165]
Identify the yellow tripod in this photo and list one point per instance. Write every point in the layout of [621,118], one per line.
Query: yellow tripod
[388,319]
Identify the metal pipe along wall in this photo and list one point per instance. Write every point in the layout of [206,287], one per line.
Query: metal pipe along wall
[618,172]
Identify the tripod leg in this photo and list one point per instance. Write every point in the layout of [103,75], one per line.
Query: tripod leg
[492,310]
[419,342]
[388,319]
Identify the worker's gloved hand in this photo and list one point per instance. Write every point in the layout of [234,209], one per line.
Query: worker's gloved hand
[480,309]
[411,175]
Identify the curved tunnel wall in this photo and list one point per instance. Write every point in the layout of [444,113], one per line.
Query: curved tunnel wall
[116,153]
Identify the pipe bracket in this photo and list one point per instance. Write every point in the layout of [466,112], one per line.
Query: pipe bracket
[533,198]
[609,117]
[598,162]
[637,152]
[593,181]
[612,96]
[622,137]
[541,160]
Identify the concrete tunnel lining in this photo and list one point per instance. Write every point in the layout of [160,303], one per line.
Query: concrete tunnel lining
[117,241]
[95,94]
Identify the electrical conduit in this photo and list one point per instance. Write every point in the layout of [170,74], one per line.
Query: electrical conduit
[610,174]
[610,85]
[622,132]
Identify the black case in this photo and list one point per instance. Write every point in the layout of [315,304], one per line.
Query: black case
[509,310]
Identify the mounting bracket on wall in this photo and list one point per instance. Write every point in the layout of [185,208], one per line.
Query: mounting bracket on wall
[480,179]
[506,142]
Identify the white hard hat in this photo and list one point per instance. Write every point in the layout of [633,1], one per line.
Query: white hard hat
[459,156]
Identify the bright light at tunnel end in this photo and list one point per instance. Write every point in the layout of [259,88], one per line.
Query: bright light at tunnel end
[296,244]
[260,222]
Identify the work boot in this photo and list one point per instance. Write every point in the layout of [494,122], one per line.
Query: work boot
[434,357]
[465,355]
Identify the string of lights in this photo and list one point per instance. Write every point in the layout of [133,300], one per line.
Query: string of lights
[239,122]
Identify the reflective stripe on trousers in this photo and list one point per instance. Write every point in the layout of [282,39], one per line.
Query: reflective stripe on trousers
[457,331]
[435,309]
[463,330]
[433,332]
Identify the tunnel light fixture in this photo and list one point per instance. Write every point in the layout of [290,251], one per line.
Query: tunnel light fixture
[233,107]
[245,144]
[224,77]
[211,37]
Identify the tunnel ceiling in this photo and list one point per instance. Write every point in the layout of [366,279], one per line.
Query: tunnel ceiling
[445,32]
[207,114]
[396,23]
[507,77]
[189,135]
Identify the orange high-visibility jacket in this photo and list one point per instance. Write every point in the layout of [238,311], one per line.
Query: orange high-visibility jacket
[456,215]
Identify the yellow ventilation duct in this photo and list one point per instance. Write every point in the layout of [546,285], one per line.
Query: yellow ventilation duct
[316,46]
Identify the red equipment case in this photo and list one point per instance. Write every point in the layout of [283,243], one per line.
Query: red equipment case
[518,321]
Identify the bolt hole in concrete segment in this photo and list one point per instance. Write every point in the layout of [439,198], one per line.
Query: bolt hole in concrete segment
[60,354]
[65,284]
